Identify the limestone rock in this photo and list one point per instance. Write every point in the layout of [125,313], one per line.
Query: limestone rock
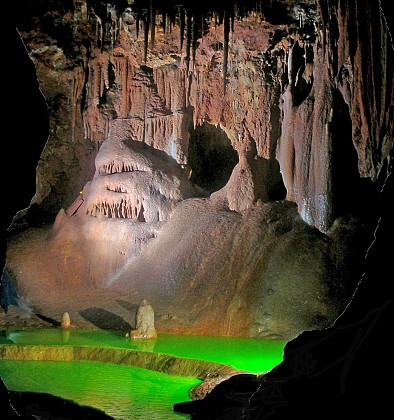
[145,321]
[65,321]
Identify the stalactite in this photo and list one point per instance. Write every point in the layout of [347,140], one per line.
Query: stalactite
[121,68]
[194,38]
[164,22]
[96,79]
[220,16]
[99,31]
[137,24]
[120,25]
[188,38]
[225,49]
[146,37]
[181,26]
[78,83]
[104,83]
[152,19]
[123,208]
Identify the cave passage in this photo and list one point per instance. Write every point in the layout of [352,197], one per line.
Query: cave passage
[211,157]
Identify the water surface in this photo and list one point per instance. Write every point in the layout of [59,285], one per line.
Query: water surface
[123,392]
[126,392]
[251,354]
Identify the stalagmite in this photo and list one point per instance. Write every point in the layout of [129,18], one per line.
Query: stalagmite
[145,321]
[65,321]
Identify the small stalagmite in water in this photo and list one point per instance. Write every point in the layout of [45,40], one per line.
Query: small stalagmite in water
[66,321]
[145,322]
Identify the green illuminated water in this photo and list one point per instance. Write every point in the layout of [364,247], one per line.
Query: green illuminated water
[123,392]
[251,354]
[126,392]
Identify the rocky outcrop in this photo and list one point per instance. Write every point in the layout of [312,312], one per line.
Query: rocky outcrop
[257,244]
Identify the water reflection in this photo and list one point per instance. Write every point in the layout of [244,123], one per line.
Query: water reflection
[65,334]
[143,344]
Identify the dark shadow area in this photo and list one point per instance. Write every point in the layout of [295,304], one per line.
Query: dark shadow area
[133,308]
[349,190]
[353,211]
[36,405]
[275,186]
[27,117]
[8,294]
[211,157]
[302,83]
[105,320]
[49,320]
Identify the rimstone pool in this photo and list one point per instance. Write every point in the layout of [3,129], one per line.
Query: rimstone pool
[126,378]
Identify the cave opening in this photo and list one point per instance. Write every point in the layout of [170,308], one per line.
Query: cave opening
[211,157]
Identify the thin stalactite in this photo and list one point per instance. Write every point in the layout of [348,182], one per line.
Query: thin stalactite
[164,22]
[182,26]
[146,37]
[137,25]
[188,38]
[226,19]
[195,38]
[152,19]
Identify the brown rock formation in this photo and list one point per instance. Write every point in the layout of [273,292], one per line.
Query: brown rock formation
[294,117]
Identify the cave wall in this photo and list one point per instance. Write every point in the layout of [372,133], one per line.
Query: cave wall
[266,252]
[290,87]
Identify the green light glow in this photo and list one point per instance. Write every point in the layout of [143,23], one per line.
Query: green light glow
[123,392]
[251,354]
[126,391]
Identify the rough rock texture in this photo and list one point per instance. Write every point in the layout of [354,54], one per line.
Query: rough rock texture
[266,246]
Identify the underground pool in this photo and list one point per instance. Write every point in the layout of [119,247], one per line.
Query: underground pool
[125,378]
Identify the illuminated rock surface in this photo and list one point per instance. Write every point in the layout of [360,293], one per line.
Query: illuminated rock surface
[222,163]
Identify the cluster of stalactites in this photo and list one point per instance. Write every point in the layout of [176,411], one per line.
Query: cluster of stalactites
[192,19]
[121,209]
[192,23]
